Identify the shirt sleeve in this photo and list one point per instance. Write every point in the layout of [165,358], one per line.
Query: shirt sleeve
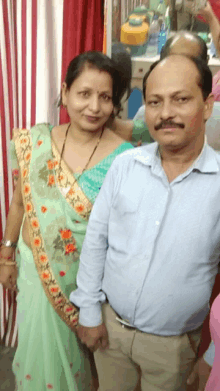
[210,354]
[89,295]
[140,115]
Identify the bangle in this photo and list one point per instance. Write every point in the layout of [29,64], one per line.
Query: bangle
[1,256]
[8,263]
[8,243]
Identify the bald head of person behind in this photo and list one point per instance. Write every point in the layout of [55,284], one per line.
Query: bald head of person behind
[185,42]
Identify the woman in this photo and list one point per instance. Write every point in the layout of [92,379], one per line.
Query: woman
[61,169]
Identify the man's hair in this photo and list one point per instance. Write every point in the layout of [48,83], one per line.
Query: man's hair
[205,75]
[165,51]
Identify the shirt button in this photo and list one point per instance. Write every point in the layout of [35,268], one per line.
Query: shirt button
[157,222]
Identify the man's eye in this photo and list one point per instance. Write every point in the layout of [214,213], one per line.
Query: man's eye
[153,103]
[183,99]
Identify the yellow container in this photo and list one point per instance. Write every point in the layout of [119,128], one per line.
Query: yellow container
[134,32]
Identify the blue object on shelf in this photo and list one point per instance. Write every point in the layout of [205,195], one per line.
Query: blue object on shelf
[134,102]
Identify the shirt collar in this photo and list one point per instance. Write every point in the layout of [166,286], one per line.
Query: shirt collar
[206,162]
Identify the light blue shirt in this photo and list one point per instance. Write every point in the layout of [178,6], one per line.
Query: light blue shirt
[152,247]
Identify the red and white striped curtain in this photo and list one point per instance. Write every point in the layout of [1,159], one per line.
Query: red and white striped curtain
[38,39]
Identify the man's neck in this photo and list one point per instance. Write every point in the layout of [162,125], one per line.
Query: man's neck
[176,161]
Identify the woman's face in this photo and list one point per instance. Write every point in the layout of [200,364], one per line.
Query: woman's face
[89,99]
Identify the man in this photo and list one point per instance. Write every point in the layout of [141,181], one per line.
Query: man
[151,247]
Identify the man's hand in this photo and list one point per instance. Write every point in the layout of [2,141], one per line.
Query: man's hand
[202,371]
[93,337]
[8,276]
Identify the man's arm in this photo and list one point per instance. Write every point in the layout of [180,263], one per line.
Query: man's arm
[89,296]
[203,367]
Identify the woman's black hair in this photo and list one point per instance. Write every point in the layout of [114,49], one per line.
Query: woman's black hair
[165,51]
[102,62]
[205,74]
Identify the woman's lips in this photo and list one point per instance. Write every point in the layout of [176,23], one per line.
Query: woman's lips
[91,118]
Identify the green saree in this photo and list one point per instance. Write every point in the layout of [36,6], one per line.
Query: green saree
[57,208]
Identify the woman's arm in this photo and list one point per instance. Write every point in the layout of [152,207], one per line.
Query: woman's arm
[214,25]
[8,274]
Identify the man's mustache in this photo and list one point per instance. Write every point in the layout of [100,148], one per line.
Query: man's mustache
[164,124]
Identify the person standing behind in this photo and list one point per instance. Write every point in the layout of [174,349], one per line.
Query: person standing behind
[152,243]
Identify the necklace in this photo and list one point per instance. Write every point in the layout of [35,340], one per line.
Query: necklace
[90,158]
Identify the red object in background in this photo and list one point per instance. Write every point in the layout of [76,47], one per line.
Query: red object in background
[216,8]
[82,31]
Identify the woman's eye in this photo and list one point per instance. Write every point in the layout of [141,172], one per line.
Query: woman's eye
[85,94]
[106,97]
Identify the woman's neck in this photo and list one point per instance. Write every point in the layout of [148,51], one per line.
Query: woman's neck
[83,137]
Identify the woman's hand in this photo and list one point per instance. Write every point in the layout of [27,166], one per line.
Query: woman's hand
[206,12]
[201,371]
[8,276]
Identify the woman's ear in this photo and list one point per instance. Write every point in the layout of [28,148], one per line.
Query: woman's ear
[64,94]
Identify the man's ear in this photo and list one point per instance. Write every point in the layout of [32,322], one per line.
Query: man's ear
[209,106]
[64,94]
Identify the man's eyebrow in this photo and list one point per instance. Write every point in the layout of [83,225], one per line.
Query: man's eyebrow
[172,94]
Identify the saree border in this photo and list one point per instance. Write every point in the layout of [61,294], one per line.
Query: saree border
[59,301]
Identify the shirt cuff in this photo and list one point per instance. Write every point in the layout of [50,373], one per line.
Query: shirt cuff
[210,354]
[91,316]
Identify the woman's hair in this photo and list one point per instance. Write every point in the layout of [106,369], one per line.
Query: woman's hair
[205,75]
[94,59]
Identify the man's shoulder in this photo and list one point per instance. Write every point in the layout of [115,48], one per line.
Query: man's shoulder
[136,153]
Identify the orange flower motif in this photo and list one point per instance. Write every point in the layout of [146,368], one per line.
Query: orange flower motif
[43,209]
[28,207]
[51,180]
[70,248]
[27,189]
[23,140]
[37,242]
[39,142]
[28,377]
[43,258]
[24,172]
[27,156]
[55,163]
[62,273]
[79,207]
[54,289]
[34,223]
[71,192]
[60,177]
[65,233]
[45,275]
[49,386]
[50,165]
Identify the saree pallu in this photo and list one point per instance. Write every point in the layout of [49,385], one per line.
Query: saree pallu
[57,208]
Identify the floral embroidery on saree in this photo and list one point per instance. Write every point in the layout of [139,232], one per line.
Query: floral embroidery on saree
[64,241]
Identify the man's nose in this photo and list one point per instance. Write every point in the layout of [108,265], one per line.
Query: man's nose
[167,111]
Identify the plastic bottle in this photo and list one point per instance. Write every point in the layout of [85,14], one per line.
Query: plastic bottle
[152,45]
[161,8]
[162,37]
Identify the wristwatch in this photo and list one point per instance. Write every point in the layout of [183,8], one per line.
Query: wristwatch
[8,243]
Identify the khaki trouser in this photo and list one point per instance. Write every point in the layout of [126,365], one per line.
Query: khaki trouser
[165,362]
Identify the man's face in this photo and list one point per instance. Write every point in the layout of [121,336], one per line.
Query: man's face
[175,109]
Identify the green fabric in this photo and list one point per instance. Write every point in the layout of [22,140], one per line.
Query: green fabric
[48,354]
[140,132]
